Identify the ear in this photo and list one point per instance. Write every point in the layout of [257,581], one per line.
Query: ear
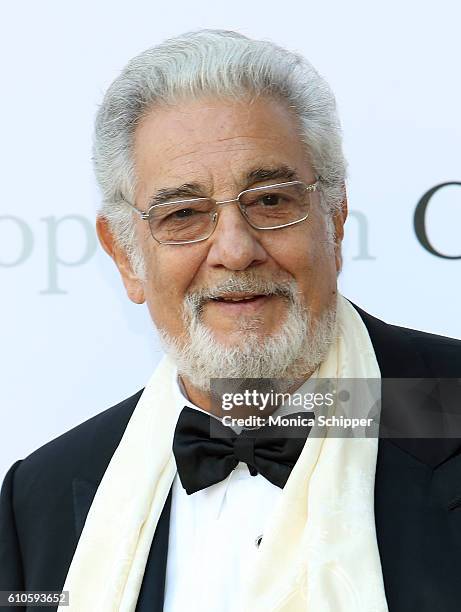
[339,218]
[133,285]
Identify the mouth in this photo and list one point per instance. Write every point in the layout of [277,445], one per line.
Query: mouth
[240,303]
[238,297]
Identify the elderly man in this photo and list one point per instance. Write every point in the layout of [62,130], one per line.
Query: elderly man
[220,164]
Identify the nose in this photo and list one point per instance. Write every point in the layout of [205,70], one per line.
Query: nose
[235,245]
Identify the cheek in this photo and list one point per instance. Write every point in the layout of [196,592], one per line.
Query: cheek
[310,259]
[297,253]
[169,275]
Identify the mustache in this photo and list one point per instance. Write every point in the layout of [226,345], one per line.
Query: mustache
[249,282]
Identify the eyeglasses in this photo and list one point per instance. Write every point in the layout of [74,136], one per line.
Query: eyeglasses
[264,208]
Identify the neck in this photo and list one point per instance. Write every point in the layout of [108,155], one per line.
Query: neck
[200,398]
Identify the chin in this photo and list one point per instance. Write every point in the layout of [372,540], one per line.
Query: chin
[242,335]
[251,349]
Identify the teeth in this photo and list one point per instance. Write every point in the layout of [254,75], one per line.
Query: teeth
[241,299]
[237,299]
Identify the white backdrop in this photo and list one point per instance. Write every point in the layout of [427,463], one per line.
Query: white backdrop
[71,342]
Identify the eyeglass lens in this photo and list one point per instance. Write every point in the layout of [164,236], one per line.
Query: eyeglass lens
[195,219]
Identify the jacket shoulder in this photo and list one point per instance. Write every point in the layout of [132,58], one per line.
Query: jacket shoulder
[84,450]
[441,354]
[428,342]
[406,352]
[42,510]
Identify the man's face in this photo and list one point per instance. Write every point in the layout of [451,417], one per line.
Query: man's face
[217,145]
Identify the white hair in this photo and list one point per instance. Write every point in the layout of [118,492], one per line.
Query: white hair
[215,63]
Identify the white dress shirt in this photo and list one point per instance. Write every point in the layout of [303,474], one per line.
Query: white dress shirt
[212,537]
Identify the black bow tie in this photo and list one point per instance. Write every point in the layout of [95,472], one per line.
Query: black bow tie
[203,460]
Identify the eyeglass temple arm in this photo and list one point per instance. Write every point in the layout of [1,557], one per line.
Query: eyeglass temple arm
[144,215]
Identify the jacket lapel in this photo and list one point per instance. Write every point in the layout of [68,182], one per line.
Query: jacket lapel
[83,492]
[152,590]
[417,491]
[399,359]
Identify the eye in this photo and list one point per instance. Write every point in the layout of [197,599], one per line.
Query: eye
[183,213]
[270,199]
[180,214]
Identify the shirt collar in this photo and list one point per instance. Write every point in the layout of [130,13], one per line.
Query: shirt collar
[182,400]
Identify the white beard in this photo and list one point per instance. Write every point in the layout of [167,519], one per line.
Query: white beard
[293,352]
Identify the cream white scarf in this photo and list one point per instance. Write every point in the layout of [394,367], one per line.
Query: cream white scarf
[319,552]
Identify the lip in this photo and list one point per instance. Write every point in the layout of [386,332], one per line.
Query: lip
[251,306]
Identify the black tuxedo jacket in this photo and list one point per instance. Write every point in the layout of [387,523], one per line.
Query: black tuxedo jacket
[45,498]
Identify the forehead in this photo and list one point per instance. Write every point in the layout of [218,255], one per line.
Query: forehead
[217,142]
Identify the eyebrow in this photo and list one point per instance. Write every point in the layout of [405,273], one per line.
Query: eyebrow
[258,175]
[186,190]
[198,190]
